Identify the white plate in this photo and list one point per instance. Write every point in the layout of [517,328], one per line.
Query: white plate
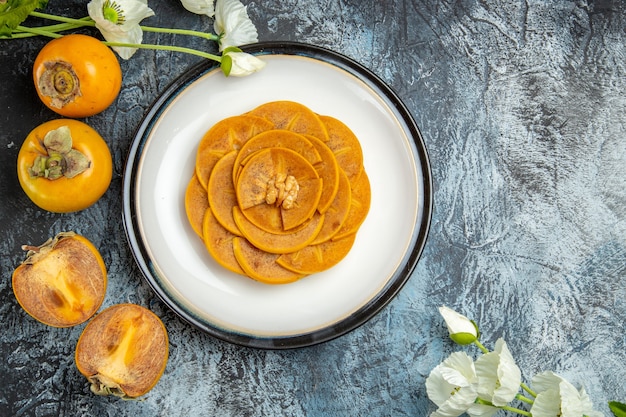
[316,308]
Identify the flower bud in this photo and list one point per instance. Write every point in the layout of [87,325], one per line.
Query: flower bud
[462,330]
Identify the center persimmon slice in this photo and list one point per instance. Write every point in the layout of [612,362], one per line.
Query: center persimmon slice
[265,177]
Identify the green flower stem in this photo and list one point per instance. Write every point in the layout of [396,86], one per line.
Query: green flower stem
[87,21]
[37,32]
[61,27]
[528,390]
[217,58]
[517,410]
[505,407]
[480,346]
[524,399]
[204,35]
[206,55]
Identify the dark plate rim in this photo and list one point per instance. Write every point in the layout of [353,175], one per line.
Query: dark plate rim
[373,306]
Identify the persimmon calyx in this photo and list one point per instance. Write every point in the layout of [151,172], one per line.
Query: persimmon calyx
[103,385]
[37,252]
[60,160]
[59,82]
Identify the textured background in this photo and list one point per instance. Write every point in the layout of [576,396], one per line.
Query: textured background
[522,107]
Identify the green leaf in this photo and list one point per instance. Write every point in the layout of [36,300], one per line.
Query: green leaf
[14,12]
[226,65]
[618,409]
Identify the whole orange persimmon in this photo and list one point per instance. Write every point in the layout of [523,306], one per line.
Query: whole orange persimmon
[77,76]
[64,165]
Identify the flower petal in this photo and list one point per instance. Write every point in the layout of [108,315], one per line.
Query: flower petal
[233,24]
[200,6]
[547,404]
[509,375]
[126,29]
[451,385]
[482,410]
[244,64]
[459,326]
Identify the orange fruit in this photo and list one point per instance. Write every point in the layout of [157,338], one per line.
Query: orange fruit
[123,351]
[63,282]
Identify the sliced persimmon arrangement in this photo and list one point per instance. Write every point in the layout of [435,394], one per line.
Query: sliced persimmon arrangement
[278,193]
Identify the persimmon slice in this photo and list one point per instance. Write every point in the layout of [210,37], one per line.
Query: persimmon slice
[260,265]
[337,213]
[328,170]
[359,207]
[293,116]
[277,139]
[219,243]
[196,203]
[123,351]
[346,147]
[226,135]
[278,243]
[221,191]
[317,258]
[63,282]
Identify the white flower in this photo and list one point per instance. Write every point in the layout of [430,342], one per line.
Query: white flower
[462,330]
[233,25]
[499,378]
[118,21]
[199,6]
[557,397]
[236,63]
[451,385]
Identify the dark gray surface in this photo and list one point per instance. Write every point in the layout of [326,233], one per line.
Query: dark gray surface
[522,108]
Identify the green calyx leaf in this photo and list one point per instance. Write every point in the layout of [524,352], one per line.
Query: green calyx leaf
[618,409]
[14,12]
[463,338]
[230,49]
[226,65]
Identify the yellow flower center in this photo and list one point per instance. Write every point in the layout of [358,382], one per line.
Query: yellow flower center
[113,12]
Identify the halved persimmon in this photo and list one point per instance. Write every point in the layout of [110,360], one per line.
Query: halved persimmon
[63,282]
[123,351]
